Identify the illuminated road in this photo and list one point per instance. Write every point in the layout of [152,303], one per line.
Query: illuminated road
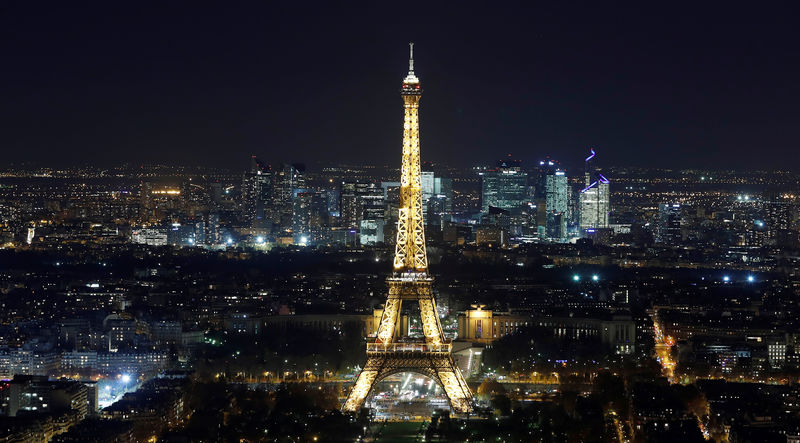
[663,349]
[619,427]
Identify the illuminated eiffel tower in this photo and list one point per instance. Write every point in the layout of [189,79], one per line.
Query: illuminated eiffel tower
[410,281]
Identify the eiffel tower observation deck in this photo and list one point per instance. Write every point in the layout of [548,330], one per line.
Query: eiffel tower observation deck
[410,280]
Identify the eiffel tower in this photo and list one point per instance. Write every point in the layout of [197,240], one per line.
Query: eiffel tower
[430,356]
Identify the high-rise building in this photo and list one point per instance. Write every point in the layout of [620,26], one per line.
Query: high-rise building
[212,235]
[443,187]
[155,236]
[668,230]
[332,199]
[200,232]
[288,181]
[257,192]
[427,182]
[310,215]
[349,204]
[433,186]
[215,192]
[438,212]
[301,217]
[504,187]
[181,234]
[360,201]
[372,207]
[594,204]
[391,206]
[778,216]
[437,199]
[370,231]
[547,167]
[557,204]
[594,199]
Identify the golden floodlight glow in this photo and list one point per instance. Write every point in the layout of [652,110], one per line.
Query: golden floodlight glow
[431,357]
[167,191]
[409,252]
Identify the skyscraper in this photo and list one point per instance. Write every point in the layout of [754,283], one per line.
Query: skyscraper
[309,216]
[426,180]
[668,230]
[504,186]
[287,182]
[557,204]
[778,215]
[391,206]
[370,231]
[349,204]
[438,212]
[546,168]
[443,188]
[594,198]
[433,186]
[360,201]
[594,204]
[257,187]
[437,199]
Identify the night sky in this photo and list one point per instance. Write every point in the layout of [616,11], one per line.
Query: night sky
[675,85]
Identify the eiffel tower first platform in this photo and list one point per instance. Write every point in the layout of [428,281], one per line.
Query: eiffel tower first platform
[410,281]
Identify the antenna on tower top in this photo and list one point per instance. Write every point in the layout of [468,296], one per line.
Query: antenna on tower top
[411,57]
[410,77]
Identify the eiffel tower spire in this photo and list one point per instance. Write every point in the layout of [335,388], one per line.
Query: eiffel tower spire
[411,77]
[409,252]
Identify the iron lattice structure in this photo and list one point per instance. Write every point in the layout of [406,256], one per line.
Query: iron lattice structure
[387,355]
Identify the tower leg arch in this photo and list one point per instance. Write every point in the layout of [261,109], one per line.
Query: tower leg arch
[441,369]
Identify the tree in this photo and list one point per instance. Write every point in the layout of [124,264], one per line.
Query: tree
[490,388]
[501,404]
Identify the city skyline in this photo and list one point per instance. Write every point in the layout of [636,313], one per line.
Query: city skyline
[209,87]
[411,284]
